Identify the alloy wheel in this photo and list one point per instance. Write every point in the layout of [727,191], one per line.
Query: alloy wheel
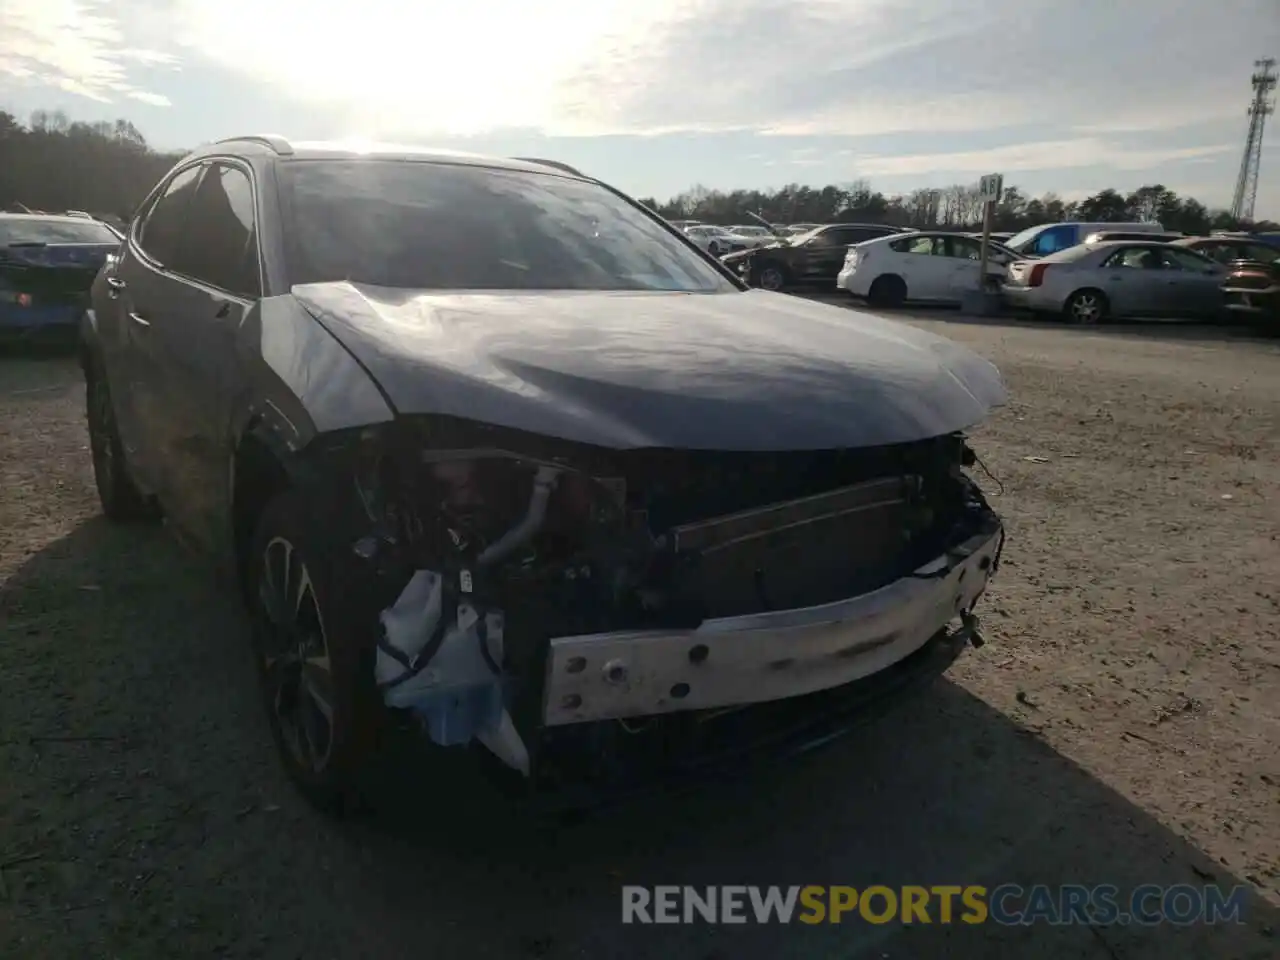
[295,651]
[771,278]
[1086,308]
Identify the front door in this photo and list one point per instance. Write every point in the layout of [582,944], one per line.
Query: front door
[134,288]
[218,278]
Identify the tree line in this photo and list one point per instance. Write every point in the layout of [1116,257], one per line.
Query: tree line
[957,207]
[53,163]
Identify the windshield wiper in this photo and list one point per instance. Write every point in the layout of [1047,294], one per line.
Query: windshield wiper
[29,243]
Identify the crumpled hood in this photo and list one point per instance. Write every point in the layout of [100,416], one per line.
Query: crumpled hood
[734,371]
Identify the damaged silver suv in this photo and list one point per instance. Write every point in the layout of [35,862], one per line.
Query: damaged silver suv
[493,451]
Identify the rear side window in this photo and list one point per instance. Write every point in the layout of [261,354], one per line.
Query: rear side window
[1135,258]
[162,230]
[1178,259]
[222,248]
[966,248]
[1054,239]
[925,246]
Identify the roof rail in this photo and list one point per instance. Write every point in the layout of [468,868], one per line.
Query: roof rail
[276,142]
[563,167]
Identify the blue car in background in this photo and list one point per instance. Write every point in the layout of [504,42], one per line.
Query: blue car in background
[47,265]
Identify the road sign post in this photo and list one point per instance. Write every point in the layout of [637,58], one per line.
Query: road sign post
[989,188]
[981,300]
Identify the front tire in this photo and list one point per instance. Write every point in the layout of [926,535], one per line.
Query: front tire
[771,276]
[122,501]
[315,647]
[1086,308]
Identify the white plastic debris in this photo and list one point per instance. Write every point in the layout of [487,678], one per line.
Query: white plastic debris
[409,623]
[457,693]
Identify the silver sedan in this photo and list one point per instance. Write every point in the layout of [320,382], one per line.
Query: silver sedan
[1092,282]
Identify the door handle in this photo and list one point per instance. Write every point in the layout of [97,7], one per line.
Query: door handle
[139,319]
[114,286]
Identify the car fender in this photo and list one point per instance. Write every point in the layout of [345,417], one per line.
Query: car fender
[297,380]
[294,384]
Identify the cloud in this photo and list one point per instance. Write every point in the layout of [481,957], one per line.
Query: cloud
[824,67]
[1091,69]
[154,99]
[1044,155]
[73,45]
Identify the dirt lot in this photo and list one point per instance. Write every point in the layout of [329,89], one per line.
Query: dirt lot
[1121,725]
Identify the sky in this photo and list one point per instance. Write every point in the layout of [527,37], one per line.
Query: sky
[1064,95]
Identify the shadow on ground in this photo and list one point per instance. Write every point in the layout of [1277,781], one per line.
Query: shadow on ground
[142,814]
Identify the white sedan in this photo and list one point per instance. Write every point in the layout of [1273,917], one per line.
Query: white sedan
[932,266]
[717,240]
[757,236]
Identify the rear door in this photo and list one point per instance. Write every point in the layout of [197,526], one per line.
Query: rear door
[1137,283]
[217,279]
[129,298]
[1197,283]
[924,266]
[965,256]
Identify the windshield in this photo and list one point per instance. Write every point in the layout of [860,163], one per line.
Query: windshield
[1023,237]
[435,226]
[35,230]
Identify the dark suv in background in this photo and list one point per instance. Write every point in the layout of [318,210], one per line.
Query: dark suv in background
[810,259]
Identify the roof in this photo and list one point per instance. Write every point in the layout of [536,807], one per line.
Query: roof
[274,145]
[45,217]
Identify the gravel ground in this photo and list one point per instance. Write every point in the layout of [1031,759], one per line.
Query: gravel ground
[1120,726]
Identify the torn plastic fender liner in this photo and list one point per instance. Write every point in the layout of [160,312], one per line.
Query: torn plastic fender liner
[440,654]
[440,663]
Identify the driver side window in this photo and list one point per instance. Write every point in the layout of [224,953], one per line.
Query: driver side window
[161,232]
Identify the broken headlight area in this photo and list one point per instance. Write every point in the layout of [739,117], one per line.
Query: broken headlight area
[496,554]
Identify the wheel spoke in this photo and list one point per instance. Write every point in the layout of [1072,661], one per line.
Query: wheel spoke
[315,715]
[296,655]
[274,589]
[317,684]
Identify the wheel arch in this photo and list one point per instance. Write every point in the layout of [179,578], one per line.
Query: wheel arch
[889,277]
[262,467]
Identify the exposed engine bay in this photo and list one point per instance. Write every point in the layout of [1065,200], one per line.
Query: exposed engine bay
[518,561]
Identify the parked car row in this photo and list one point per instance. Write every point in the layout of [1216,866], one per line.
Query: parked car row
[1187,277]
[1083,272]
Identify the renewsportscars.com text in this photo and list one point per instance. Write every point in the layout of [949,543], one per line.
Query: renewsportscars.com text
[1007,905]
